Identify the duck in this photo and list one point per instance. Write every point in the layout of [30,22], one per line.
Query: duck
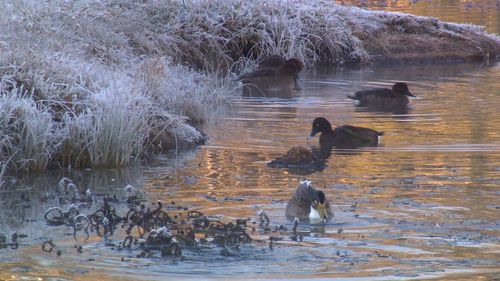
[298,160]
[309,204]
[345,136]
[383,97]
[272,61]
[273,73]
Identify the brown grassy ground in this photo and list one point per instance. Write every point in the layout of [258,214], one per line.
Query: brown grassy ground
[405,38]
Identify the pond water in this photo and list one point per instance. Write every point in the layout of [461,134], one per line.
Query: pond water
[423,204]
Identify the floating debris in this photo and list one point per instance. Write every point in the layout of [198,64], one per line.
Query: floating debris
[152,230]
[55,216]
[263,217]
[48,246]
[13,244]
[133,197]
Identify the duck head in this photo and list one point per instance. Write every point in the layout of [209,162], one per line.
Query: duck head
[318,206]
[320,124]
[292,67]
[402,89]
[297,64]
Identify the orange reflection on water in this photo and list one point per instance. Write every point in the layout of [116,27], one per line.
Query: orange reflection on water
[423,204]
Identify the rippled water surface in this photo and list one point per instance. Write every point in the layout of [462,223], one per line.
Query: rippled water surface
[425,203]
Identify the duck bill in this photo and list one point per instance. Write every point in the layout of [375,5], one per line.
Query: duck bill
[410,94]
[322,212]
[313,133]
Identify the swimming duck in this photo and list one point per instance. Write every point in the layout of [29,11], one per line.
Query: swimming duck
[298,160]
[273,73]
[308,203]
[271,61]
[397,96]
[346,136]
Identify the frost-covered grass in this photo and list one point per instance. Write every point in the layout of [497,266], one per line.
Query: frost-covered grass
[75,91]
[93,83]
[101,126]
[3,168]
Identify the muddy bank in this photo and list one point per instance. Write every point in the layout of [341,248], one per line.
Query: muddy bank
[401,38]
[230,35]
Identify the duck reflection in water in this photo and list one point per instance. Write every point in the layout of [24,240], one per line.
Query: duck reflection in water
[274,77]
[384,100]
[308,204]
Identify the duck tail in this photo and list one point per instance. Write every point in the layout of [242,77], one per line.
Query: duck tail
[353,97]
[380,133]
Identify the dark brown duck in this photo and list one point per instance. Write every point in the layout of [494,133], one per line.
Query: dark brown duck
[345,136]
[272,61]
[397,96]
[273,73]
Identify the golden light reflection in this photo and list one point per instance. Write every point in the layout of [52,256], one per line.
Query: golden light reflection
[449,139]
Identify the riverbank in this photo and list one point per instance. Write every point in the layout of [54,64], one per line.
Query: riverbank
[101,83]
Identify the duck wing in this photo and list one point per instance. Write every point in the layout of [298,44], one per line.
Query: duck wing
[348,135]
[380,92]
[261,72]
[272,61]
[300,204]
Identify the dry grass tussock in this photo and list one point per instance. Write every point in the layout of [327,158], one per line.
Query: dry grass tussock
[74,91]
[97,83]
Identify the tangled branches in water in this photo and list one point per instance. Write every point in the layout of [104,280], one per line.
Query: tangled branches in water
[152,230]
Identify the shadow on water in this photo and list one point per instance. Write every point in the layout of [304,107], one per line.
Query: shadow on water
[251,91]
[422,204]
